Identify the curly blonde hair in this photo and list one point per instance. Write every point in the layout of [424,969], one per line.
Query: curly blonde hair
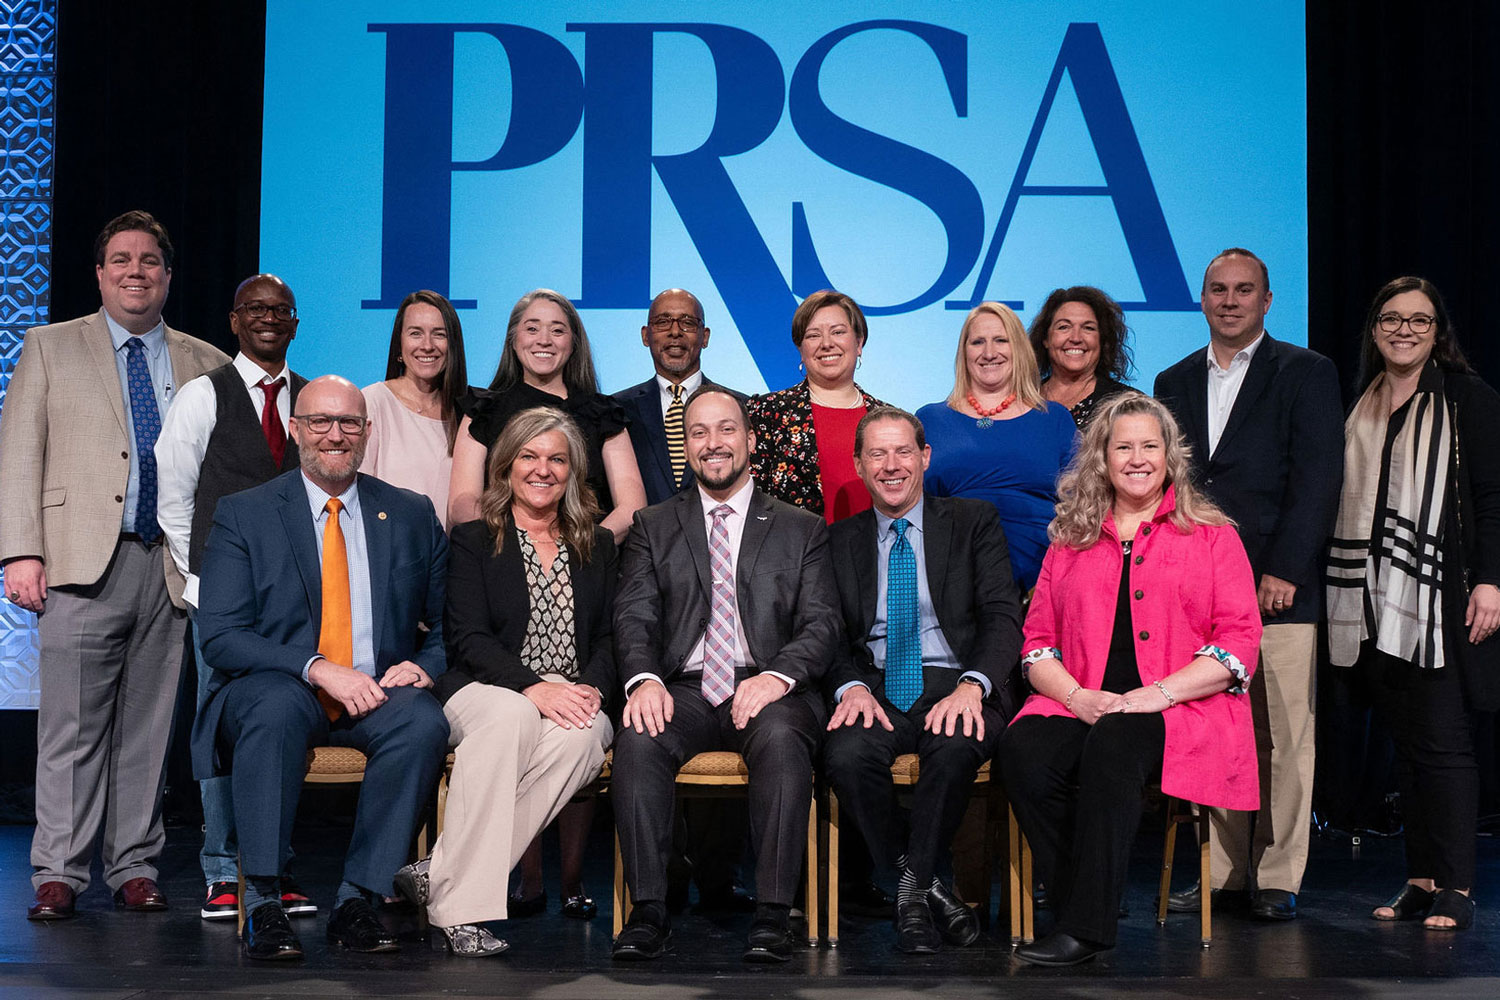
[578,509]
[1085,493]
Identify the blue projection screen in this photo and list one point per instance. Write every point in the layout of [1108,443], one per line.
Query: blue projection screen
[921,157]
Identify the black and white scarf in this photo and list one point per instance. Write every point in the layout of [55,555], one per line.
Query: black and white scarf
[1393,592]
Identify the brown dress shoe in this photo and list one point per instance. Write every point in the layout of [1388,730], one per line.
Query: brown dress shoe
[54,901]
[140,894]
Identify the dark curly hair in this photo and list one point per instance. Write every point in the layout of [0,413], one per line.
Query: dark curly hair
[1114,336]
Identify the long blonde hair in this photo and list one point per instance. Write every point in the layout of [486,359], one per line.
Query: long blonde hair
[1085,493]
[578,508]
[1025,381]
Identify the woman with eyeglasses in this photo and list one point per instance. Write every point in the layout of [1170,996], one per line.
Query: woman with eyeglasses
[414,413]
[1414,581]
[804,435]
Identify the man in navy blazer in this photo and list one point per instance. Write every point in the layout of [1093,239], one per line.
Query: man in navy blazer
[676,336]
[274,695]
[1265,423]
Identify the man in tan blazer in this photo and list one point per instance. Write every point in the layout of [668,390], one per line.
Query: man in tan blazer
[81,547]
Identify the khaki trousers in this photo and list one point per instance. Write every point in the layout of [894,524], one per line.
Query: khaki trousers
[1268,848]
[513,772]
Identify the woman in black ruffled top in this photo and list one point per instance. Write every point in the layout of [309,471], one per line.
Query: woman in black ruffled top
[546,361]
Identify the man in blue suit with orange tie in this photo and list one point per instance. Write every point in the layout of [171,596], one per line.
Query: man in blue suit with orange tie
[321,614]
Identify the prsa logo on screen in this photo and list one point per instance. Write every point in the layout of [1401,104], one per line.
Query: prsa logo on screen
[548,104]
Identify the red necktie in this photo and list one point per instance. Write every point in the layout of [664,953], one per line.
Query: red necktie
[270,421]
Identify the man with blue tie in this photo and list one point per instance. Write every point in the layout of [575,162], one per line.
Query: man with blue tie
[79,540]
[321,603]
[932,638]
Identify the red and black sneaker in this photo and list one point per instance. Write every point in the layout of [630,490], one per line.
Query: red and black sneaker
[222,903]
[294,901]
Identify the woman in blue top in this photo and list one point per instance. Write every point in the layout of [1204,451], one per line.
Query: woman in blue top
[996,438]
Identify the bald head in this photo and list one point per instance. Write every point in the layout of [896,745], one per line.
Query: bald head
[675,334]
[264,320]
[331,432]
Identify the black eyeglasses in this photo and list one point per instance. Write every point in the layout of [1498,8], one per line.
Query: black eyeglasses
[322,423]
[258,310]
[687,324]
[1391,322]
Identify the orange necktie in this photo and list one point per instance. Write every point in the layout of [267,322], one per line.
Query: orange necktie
[336,636]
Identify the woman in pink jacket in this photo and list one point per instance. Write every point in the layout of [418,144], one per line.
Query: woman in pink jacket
[1139,645]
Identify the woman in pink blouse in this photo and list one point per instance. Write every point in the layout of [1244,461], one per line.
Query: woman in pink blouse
[1139,644]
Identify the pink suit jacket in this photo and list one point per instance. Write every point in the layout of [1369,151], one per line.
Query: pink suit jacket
[1192,593]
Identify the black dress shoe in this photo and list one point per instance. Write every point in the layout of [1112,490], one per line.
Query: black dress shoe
[915,932]
[580,907]
[770,940]
[866,899]
[1191,900]
[956,921]
[645,936]
[1058,948]
[355,926]
[1274,904]
[269,936]
[518,907]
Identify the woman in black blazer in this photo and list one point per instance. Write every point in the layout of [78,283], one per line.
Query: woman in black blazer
[531,590]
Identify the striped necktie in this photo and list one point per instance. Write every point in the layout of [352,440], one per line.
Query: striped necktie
[718,643]
[336,634]
[672,424]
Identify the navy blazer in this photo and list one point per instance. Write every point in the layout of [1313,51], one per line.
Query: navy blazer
[648,437]
[973,592]
[261,591]
[1280,461]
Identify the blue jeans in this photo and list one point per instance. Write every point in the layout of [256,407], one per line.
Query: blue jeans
[220,846]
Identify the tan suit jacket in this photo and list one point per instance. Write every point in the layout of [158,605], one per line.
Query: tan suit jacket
[64,448]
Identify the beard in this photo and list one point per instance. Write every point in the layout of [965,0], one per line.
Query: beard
[722,480]
[332,468]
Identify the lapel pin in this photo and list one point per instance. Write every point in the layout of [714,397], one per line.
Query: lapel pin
[381,515]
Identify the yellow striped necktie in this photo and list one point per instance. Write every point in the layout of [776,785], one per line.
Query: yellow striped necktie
[672,424]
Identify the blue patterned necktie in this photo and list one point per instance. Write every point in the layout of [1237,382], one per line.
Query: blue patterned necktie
[147,420]
[903,637]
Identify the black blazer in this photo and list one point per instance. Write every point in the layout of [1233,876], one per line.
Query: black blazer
[1280,462]
[488,608]
[648,437]
[973,592]
[783,585]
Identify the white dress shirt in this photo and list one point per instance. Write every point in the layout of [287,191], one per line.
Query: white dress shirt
[180,448]
[689,386]
[734,525]
[1224,388]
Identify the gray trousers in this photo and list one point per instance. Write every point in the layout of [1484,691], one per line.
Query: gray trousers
[111,661]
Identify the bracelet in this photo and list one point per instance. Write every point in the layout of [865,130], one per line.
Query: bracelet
[1068,701]
[1165,693]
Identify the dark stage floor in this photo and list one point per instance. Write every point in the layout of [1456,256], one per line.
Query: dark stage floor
[1332,949]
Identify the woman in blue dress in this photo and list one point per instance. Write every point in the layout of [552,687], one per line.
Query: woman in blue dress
[996,438]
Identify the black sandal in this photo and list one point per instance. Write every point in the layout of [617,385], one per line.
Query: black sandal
[1411,903]
[1456,906]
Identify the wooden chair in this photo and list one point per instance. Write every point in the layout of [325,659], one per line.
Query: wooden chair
[721,773]
[1178,811]
[905,770]
[328,766]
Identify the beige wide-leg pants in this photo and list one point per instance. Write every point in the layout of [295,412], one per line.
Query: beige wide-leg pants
[513,772]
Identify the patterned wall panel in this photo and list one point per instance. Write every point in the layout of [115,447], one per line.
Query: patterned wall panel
[28,58]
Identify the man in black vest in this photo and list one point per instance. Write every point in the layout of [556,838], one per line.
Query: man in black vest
[225,432]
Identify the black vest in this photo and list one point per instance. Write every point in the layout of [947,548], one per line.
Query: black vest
[237,456]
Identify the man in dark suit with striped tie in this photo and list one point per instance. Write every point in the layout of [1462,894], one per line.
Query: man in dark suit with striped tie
[676,335]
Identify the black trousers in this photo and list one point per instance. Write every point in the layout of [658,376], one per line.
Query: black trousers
[1437,772]
[857,762]
[1076,790]
[778,746]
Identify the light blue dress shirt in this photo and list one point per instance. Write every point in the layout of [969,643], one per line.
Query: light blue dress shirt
[362,617]
[159,364]
[935,649]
